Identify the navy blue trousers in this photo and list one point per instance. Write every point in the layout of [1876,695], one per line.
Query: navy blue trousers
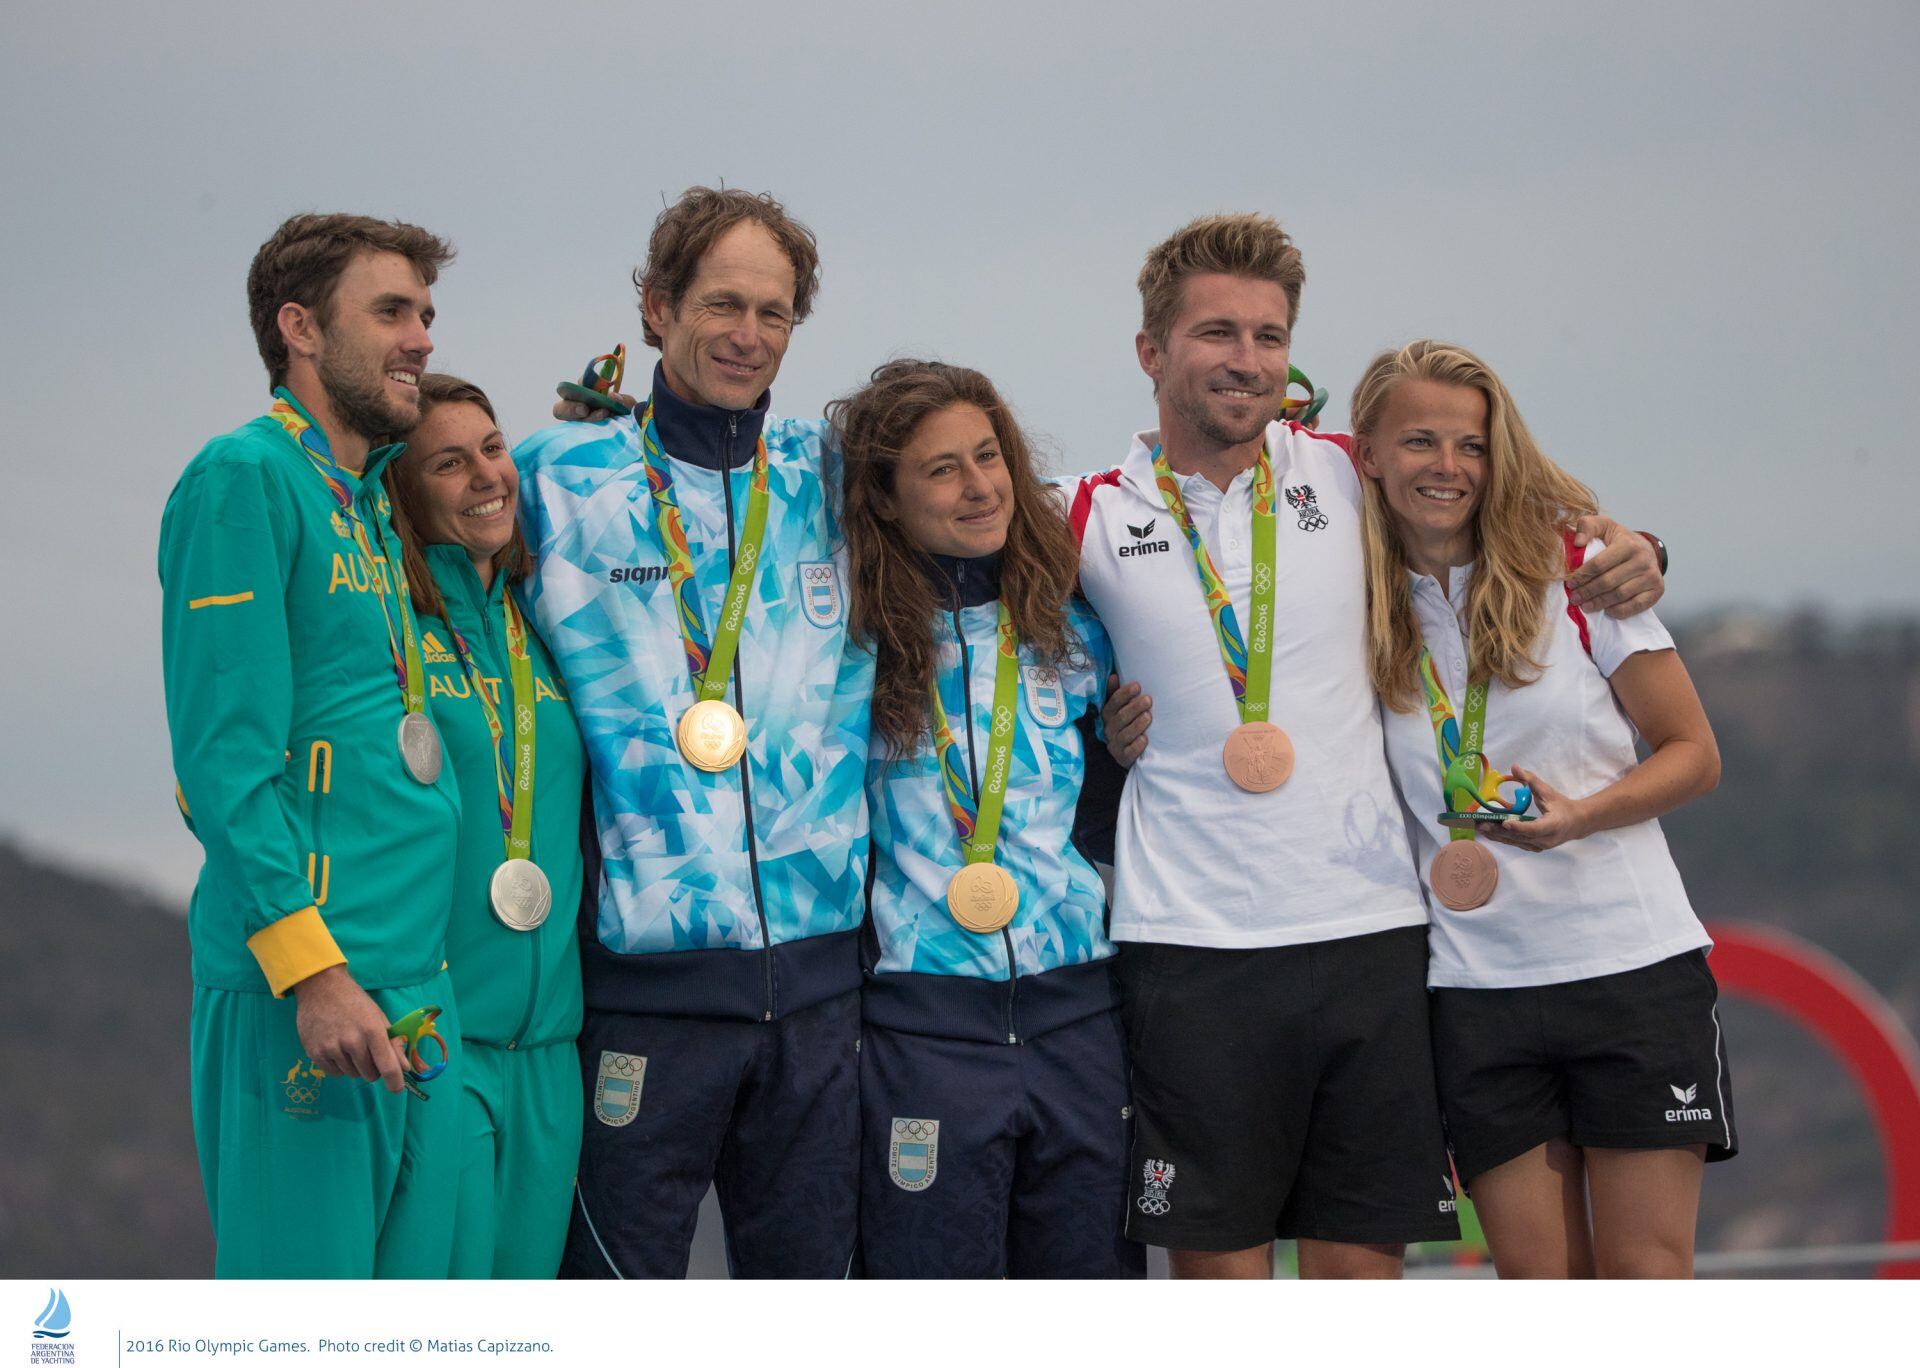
[987,1160]
[765,1112]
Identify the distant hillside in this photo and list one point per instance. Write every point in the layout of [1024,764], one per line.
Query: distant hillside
[1815,829]
[97,1170]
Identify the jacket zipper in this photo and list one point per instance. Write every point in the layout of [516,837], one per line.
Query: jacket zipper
[740,703]
[973,774]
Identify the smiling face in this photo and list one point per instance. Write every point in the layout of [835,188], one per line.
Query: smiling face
[468,487]
[370,351]
[1221,375]
[724,344]
[1429,451]
[952,490]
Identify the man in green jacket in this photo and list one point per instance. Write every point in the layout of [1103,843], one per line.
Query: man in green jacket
[311,774]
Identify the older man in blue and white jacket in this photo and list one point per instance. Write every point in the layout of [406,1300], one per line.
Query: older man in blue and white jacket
[722,965]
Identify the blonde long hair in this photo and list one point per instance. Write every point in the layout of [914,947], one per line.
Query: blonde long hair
[1526,502]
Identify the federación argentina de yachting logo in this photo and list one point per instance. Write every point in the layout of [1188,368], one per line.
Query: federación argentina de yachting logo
[50,1331]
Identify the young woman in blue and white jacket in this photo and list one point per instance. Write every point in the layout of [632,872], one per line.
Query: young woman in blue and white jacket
[994,1107]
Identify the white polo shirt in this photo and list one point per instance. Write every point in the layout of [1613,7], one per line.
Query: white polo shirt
[1602,905]
[1197,860]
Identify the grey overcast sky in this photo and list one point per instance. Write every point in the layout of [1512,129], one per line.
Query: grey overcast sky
[1683,232]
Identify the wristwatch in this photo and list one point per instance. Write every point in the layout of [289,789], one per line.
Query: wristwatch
[1659,551]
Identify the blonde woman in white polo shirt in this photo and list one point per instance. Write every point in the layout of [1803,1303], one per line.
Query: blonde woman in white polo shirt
[1575,1034]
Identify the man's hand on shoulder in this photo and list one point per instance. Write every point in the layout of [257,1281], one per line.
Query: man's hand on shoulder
[344,1031]
[1623,578]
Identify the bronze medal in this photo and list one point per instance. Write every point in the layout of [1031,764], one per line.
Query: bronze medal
[982,897]
[521,895]
[711,735]
[1464,875]
[1258,756]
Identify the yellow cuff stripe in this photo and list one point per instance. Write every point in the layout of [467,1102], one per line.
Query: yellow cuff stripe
[296,947]
[216,600]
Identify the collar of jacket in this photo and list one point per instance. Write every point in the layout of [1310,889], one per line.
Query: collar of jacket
[966,581]
[454,572]
[713,438]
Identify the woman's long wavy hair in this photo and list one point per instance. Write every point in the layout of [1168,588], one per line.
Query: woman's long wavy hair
[896,591]
[1525,502]
[403,480]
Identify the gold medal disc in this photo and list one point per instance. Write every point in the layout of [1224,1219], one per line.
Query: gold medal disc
[1464,875]
[982,897]
[711,735]
[1258,756]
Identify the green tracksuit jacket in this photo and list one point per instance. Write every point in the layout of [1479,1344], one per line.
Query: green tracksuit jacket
[520,1000]
[284,712]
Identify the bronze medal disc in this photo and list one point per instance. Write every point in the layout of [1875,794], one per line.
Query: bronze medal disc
[419,748]
[982,897]
[711,735]
[521,895]
[1258,756]
[1464,875]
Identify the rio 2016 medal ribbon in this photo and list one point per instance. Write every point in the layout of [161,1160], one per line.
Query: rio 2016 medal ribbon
[1258,756]
[981,896]
[712,735]
[1464,874]
[386,573]
[519,891]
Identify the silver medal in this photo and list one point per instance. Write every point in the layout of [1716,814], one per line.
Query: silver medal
[521,895]
[420,747]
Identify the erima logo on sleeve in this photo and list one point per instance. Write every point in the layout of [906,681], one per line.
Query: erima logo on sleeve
[1141,545]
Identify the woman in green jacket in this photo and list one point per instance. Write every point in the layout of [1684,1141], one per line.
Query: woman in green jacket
[516,754]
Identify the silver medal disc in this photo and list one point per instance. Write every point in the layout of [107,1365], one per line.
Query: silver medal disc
[420,748]
[521,895]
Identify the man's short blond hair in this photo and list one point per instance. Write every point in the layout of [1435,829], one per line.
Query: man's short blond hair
[1251,245]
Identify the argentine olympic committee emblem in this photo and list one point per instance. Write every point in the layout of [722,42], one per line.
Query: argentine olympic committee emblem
[820,596]
[915,1151]
[1046,696]
[616,1089]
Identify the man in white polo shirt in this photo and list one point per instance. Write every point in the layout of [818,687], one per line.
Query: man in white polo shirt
[1273,965]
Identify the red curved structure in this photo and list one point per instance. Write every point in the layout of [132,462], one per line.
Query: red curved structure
[1843,1011]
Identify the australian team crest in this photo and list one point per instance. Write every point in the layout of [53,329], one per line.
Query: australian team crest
[1302,500]
[616,1089]
[912,1159]
[302,1089]
[1046,696]
[820,596]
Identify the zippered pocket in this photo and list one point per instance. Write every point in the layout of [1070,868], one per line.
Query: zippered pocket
[319,784]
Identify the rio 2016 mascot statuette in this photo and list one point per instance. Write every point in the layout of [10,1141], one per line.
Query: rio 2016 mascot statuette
[689,581]
[311,773]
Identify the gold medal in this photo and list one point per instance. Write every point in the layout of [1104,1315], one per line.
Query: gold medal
[982,897]
[1464,875]
[711,735]
[1258,756]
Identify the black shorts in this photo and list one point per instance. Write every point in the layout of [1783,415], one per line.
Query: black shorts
[1623,1061]
[1284,1092]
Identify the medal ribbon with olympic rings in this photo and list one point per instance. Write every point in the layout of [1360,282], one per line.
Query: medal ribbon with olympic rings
[1464,771]
[516,808]
[709,657]
[408,669]
[978,820]
[1249,671]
